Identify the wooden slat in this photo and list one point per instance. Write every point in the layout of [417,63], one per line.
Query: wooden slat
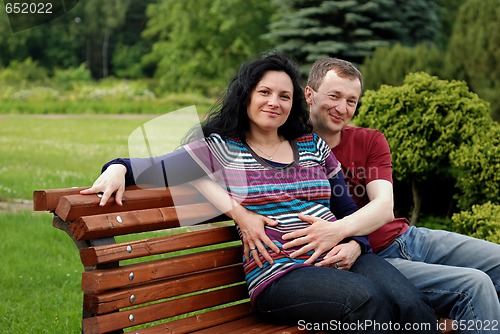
[72,207]
[105,279]
[92,256]
[201,321]
[46,200]
[114,224]
[251,324]
[141,315]
[235,326]
[117,299]
[236,317]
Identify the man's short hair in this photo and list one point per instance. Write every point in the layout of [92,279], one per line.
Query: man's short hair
[343,68]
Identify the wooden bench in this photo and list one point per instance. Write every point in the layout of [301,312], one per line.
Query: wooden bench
[144,274]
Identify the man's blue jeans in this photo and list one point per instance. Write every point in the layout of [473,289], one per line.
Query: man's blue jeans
[460,275]
[366,299]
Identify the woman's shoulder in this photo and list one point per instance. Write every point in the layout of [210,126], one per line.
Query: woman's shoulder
[307,138]
[312,143]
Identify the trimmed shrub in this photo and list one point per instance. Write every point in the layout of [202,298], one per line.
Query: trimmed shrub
[425,120]
[482,222]
[476,168]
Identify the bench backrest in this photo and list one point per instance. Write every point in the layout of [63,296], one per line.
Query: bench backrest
[141,268]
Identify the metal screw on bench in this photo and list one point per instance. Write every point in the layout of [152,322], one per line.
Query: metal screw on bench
[119,219]
[131,318]
[131,276]
[129,249]
[132,299]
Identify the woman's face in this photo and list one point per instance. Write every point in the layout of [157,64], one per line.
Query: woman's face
[270,102]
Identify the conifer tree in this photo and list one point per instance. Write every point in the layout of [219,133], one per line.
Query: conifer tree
[350,29]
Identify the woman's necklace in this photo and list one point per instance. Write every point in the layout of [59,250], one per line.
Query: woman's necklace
[269,157]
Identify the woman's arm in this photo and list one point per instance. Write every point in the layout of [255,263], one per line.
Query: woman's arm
[170,169]
[251,225]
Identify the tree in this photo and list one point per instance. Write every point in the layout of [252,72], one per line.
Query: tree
[101,19]
[350,29]
[425,120]
[473,53]
[199,44]
[390,64]
[130,46]
[56,43]
[448,10]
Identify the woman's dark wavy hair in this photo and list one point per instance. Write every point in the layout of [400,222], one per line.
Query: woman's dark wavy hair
[229,118]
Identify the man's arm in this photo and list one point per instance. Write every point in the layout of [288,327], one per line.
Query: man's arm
[379,211]
[374,214]
[362,222]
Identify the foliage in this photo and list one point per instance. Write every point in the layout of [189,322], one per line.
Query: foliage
[352,29]
[25,88]
[390,64]
[69,77]
[447,13]
[425,120]
[473,53]
[476,168]
[199,44]
[482,222]
[436,223]
[21,73]
[55,43]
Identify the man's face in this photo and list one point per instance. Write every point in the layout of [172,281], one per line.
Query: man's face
[333,104]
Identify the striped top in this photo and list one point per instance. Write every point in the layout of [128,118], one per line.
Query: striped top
[280,193]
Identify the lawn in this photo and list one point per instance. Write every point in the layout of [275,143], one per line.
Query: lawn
[40,275]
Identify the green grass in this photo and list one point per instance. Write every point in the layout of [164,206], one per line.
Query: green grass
[40,275]
[41,152]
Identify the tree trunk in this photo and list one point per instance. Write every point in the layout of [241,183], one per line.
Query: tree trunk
[105,44]
[417,203]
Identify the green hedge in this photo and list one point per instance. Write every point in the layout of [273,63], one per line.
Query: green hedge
[25,88]
[482,222]
[476,168]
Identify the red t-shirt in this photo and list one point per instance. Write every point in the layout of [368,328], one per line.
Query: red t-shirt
[365,156]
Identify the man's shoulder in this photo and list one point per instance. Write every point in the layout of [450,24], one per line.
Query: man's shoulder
[361,130]
[359,134]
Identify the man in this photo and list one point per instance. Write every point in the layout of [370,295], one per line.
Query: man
[459,274]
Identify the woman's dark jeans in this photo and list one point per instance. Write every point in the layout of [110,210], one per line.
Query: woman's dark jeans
[373,297]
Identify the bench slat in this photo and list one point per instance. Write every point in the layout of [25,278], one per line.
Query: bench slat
[133,249]
[201,321]
[113,224]
[71,207]
[116,299]
[46,200]
[104,279]
[141,315]
[251,324]
[235,317]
